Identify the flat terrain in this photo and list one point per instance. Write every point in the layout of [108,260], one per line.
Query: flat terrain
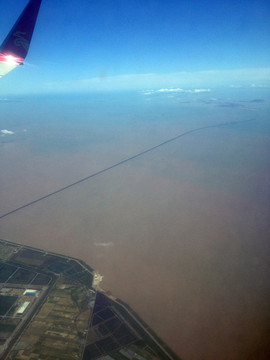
[51,309]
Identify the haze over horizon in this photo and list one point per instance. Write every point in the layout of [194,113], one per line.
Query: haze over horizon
[182,232]
[138,45]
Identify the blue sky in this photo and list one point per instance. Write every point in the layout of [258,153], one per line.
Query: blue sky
[136,44]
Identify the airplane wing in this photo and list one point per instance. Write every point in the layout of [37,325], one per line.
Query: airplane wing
[14,49]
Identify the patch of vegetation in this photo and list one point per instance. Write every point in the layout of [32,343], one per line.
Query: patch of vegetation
[6,250]
[6,271]
[59,267]
[29,257]
[7,327]
[41,279]
[57,331]
[22,276]
[6,302]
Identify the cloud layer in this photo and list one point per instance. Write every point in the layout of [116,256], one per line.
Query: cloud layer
[175,90]
[198,80]
[175,82]
[6,132]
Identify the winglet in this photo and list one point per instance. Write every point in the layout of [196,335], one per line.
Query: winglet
[15,46]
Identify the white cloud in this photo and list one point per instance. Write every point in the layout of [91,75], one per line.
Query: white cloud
[108,244]
[148,92]
[175,90]
[258,86]
[252,86]
[201,90]
[7,132]
[170,90]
